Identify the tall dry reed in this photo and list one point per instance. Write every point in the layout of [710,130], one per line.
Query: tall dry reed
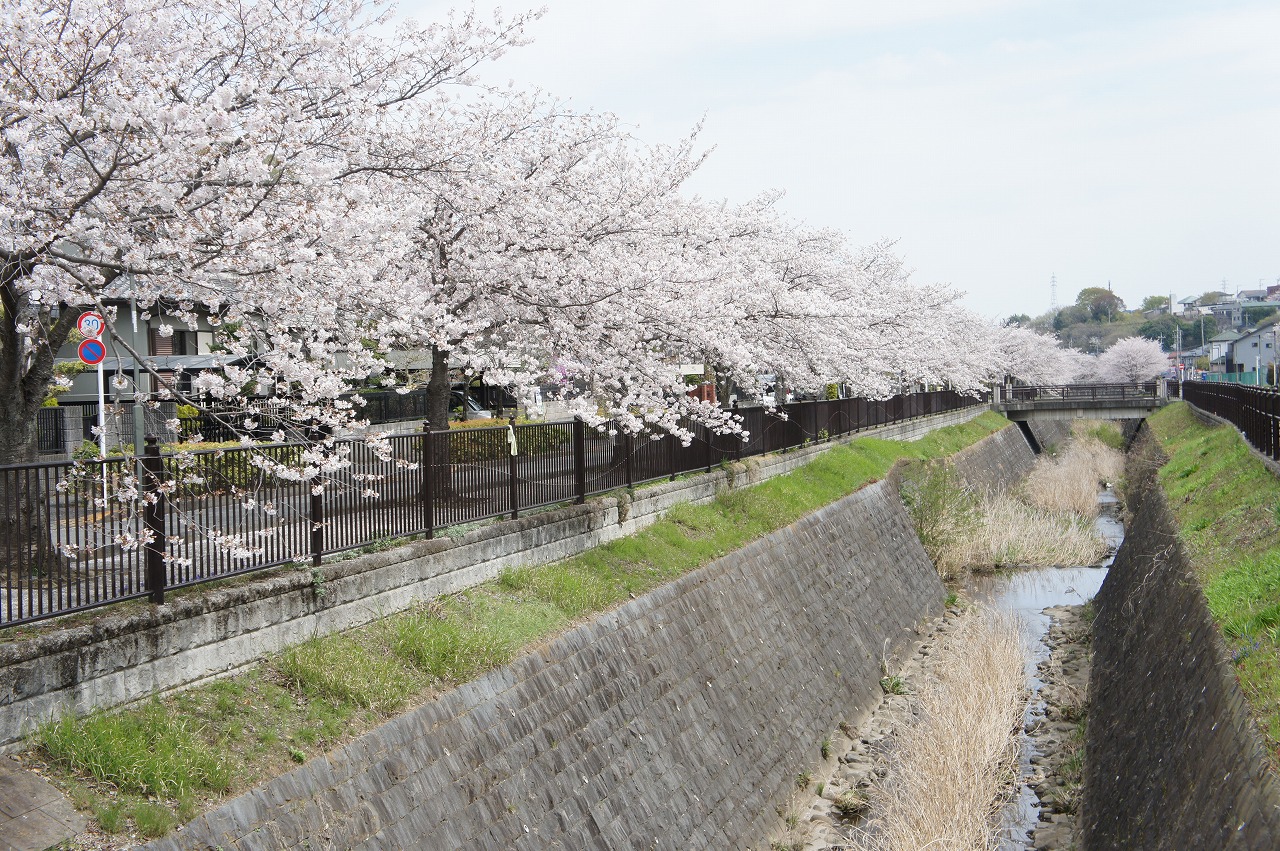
[1071,481]
[950,772]
[1011,533]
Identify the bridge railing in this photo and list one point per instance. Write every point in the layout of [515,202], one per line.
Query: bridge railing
[1253,410]
[1084,392]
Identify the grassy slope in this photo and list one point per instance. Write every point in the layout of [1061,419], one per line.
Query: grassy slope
[1227,504]
[228,735]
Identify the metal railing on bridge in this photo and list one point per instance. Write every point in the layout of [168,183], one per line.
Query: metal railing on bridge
[69,544]
[1083,392]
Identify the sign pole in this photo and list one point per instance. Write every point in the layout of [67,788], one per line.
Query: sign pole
[102,433]
[93,352]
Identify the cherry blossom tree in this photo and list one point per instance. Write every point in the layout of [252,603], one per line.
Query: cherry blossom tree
[1132,359]
[1034,358]
[196,154]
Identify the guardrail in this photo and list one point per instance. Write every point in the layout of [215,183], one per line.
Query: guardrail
[69,544]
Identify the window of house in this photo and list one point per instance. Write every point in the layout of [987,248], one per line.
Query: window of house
[179,343]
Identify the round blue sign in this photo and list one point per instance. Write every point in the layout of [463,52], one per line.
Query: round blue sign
[92,352]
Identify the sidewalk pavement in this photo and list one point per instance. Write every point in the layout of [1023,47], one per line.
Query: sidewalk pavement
[34,815]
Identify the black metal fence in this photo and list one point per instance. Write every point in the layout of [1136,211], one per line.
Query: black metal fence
[1253,410]
[74,535]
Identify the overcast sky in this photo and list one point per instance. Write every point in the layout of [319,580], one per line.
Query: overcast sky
[998,141]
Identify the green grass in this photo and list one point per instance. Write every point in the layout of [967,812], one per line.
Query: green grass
[185,751]
[1225,501]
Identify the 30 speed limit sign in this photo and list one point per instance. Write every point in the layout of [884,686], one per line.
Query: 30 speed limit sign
[91,325]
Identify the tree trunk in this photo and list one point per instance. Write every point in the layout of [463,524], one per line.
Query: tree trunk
[438,391]
[26,541]
[438,421]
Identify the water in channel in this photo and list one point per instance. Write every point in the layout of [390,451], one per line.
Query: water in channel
[1028,592]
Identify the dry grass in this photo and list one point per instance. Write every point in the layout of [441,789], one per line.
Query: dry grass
[1048,523]
[1070,482]
[949,776]
[1010,532]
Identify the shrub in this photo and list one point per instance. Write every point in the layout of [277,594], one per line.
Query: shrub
[486,440]
[942,509]
[219,467]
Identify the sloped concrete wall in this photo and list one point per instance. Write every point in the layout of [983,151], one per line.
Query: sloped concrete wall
[1173,758]
[118,658]
[677,721]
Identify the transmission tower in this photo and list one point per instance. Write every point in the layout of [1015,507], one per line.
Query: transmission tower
[1053,292]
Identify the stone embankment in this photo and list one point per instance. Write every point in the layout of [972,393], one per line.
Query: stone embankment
[677,721]
[1173,757]
[684,719]
[114,658]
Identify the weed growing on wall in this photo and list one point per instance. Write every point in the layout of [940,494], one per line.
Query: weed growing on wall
[943,510]
[1047,522]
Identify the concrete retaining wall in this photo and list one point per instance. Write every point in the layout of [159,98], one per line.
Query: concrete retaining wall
[119,658]
[679,720]
[995,463]
[676,721]
[1173,758]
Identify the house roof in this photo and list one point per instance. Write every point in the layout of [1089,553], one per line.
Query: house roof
[1225,337]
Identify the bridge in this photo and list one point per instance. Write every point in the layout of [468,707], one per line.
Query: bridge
[1135,401]
[1082,401]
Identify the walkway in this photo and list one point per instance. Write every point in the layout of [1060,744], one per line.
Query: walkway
[34,815]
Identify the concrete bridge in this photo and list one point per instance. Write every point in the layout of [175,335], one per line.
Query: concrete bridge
[1025,405]
[1134,401]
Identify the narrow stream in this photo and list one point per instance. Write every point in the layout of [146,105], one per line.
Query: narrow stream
[1028,592]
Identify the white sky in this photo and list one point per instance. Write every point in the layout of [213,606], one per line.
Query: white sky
[999,141]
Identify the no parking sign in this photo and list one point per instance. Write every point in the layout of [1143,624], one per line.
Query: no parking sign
[92,352]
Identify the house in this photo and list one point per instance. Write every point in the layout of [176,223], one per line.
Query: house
[1190,306]
[1255,350]
[1228,314]
[1220,351]
[176,357]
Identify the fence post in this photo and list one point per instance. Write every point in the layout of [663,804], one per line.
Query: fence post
[511,473]
[153,515]
[317,526]
[706,438]
[428,489]
[671,455]
[580,460]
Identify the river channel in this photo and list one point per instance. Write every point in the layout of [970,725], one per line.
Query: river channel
[1027,592]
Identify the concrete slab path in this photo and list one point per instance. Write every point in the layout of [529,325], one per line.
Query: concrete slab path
[34,815]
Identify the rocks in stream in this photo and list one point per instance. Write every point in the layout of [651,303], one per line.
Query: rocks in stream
[1056,729]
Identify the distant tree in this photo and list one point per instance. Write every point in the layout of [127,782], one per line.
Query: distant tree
[1101,303]
[1163,328]
[1155,302]
[1254,315]
[1212,297]
[1018,319]
[1073,315]
[1132,359]
[1199,331]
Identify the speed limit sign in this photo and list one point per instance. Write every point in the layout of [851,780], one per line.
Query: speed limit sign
[91,325]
